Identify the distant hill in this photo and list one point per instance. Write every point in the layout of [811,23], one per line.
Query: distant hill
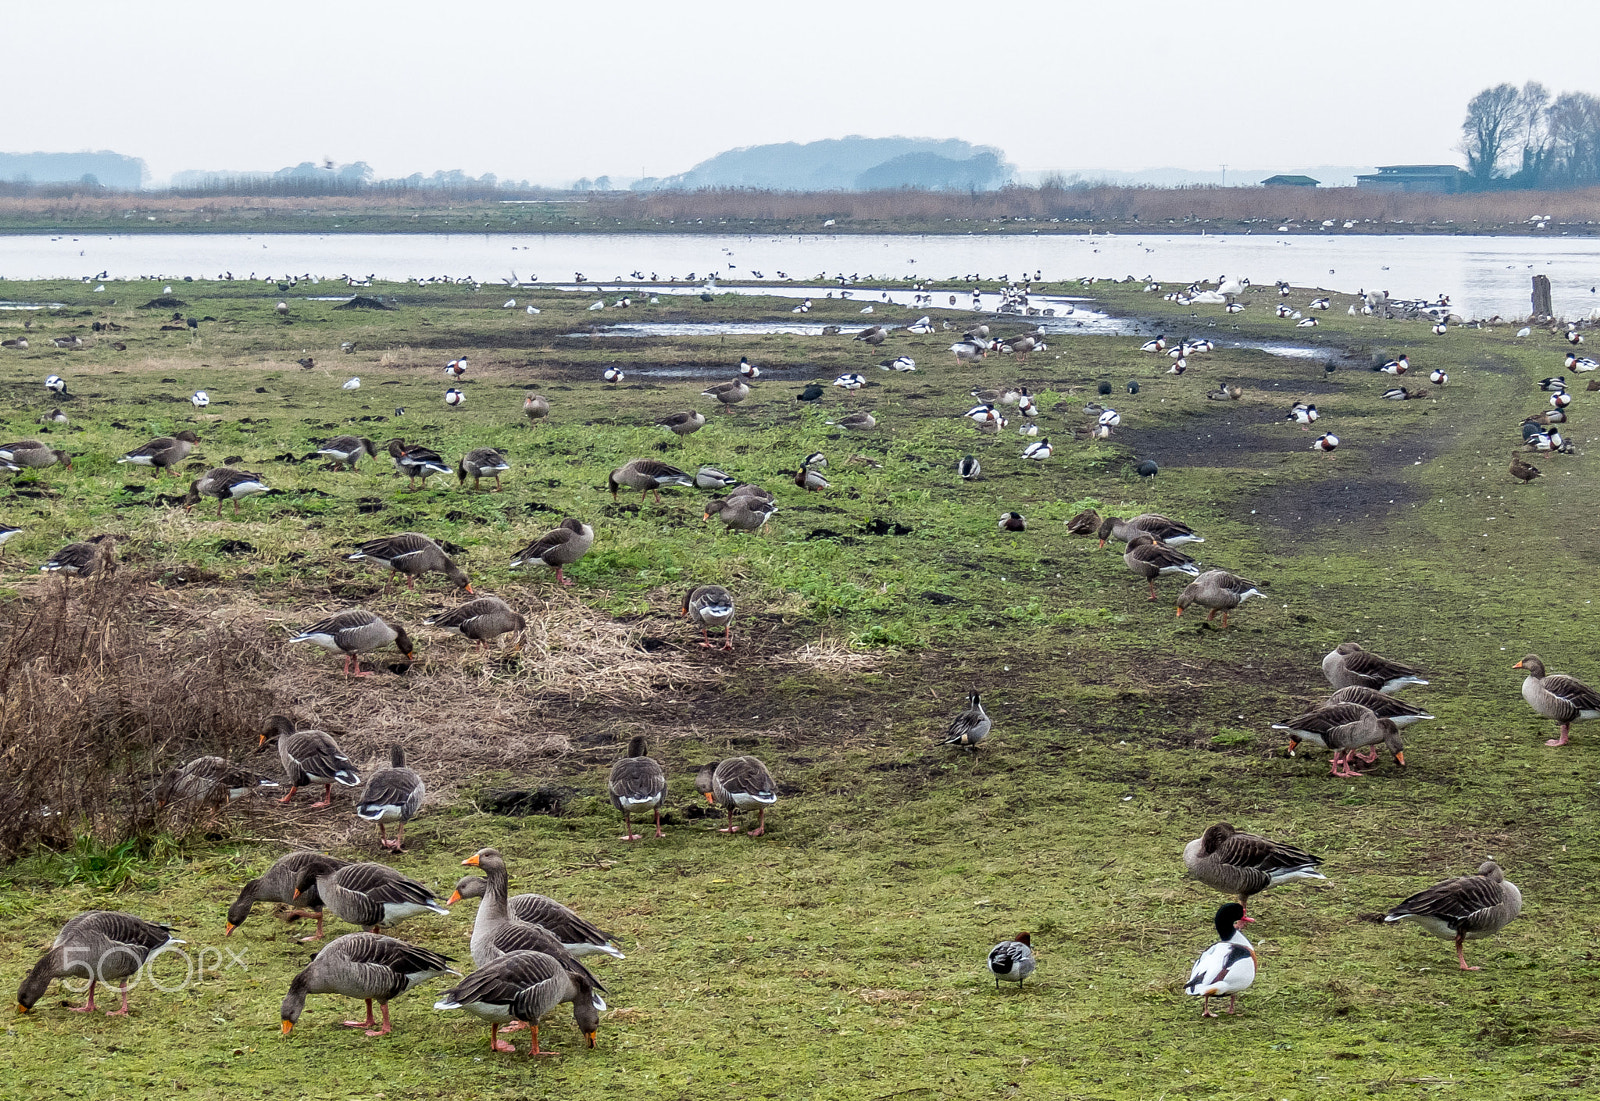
[847,164]
[104,168]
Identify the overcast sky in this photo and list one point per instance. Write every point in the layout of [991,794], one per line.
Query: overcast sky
[552,92]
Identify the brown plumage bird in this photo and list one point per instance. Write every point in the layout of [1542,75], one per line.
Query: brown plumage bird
[412,554]
[1523,471]
[560,547]
[637,783]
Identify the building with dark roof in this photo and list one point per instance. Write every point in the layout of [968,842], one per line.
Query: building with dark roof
[1443,178]
[1289,181]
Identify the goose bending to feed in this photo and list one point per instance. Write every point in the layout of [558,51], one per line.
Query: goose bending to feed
[1464,909]
[483,620]
[163,451]
[1244,864]
[970,727]
[1348,664]
[1173,533]
[738,783]
[637,784]
[1218,590]
[647,476]
[560,547]
[1150,560]
[1012,960]
[709,606]
[728,393]
[225,484]
[1343,728]
[211,780]
[684,423]
[346,451]
[354,632]
[1556,696]
[278,884]
[1383,705]
[577,935]
[33,454]
[87,559]
[412,554]
[103,946]
[392,794]
[1227,967]
[310,757]
[743,513]
[368,895]
[480,463]
[535,407]
[524,986]
[416,461]
[368,966]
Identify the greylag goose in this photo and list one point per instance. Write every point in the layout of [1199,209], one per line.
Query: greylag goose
[738,783]
[560,547]
[33,454]
[310,757]
[647,476]
[578,935]
[163,451]
[353,632]
[746,489]
[744,513]
[1556,696]
[709,606]
[524,986]
[103,946]
[637,784]
[496,930]
[685,423]
[1348,664]
[1172,532]
[1244,864]
[480,463]
[1464,909]
[970,727]
[728,393]
[211,779]
[412,554]
[368,895]
[225,484]
[535,407]
[96,555]
[346,451]
[483,620]
[1343,728]
[392,794]
[1384,706]
[368,966]
[1012,960]
[1150,560]
[1218,590]
[278,884]
[416,461]
[1228,966]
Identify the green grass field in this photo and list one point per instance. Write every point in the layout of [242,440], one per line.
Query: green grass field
[842,955]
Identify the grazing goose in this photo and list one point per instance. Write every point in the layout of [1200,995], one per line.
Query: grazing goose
[560,547]
[1150,560]
[535,407]
[647,475]
[310,757]
[1523,471]
[874,336]
[346,451]
[1464,909]
[211,780]
[353,632]
[483,620]
[278,885]
[368,895]
[162,452]
[685,423]
[1228,966]
[392,794]
[225,484]
[637,783]
[1556,696]
[1013,521]
[744,513]
[367,966]
[709,477]
[412,554]
[1382,704]
[1012,961]
[524,986]
[576,934]
[1218,590]
[103,946]
[1343,728]
[416,461]
[971,727]
[94,556]
[738,783]
[482,462]
[1348,664]
[33,454]
[709,606]
[746,489]
[1225,393]
[1164,529]
[728,393]
[1244,864]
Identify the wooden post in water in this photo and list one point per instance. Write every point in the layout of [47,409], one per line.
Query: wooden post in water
[1541,296]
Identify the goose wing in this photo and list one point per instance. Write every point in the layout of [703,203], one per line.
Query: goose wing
[636,780]
[317,755]
[1246,850]
[1376,668]
[401,788]
[1572,690]
[1456,902]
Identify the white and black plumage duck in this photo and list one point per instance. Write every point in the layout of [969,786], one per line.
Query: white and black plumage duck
[970,727]
[368,966]
[1227,967]
[1303,414]
[392,794]
[1245,864]
[310,757]
[1012,960]
[1464,909]
[103,946]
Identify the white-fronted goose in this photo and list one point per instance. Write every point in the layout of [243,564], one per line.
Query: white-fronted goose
[412,554]
[353,632]
[1464,909]
[368,966]
[738,784]
[1227,967]
[87,559]
[211,780]
[416,461]
[483,620]
[745,513]
[535,407]
[577,934]
[524,986]
[970,727]
[560,547]
[103,946]
[685,423]
[1149,560]
[225,484]
[1556,696]
[310,757]
[637,784]
[1218,590]
[709,606]
[392,794]
[346,451]
[1163,528]
[1383,705]
[278,884]
[163,451]
[1343,728]
[1244,864]
[728,393]
[368,895]
[647,476]
[1012,960]
[32,454]
[480,463]
[1348,664]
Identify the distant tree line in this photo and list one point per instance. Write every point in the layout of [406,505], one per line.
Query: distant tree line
[307,178]
[1525,138]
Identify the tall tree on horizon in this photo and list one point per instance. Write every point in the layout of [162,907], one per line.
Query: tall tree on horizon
[1488,129]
